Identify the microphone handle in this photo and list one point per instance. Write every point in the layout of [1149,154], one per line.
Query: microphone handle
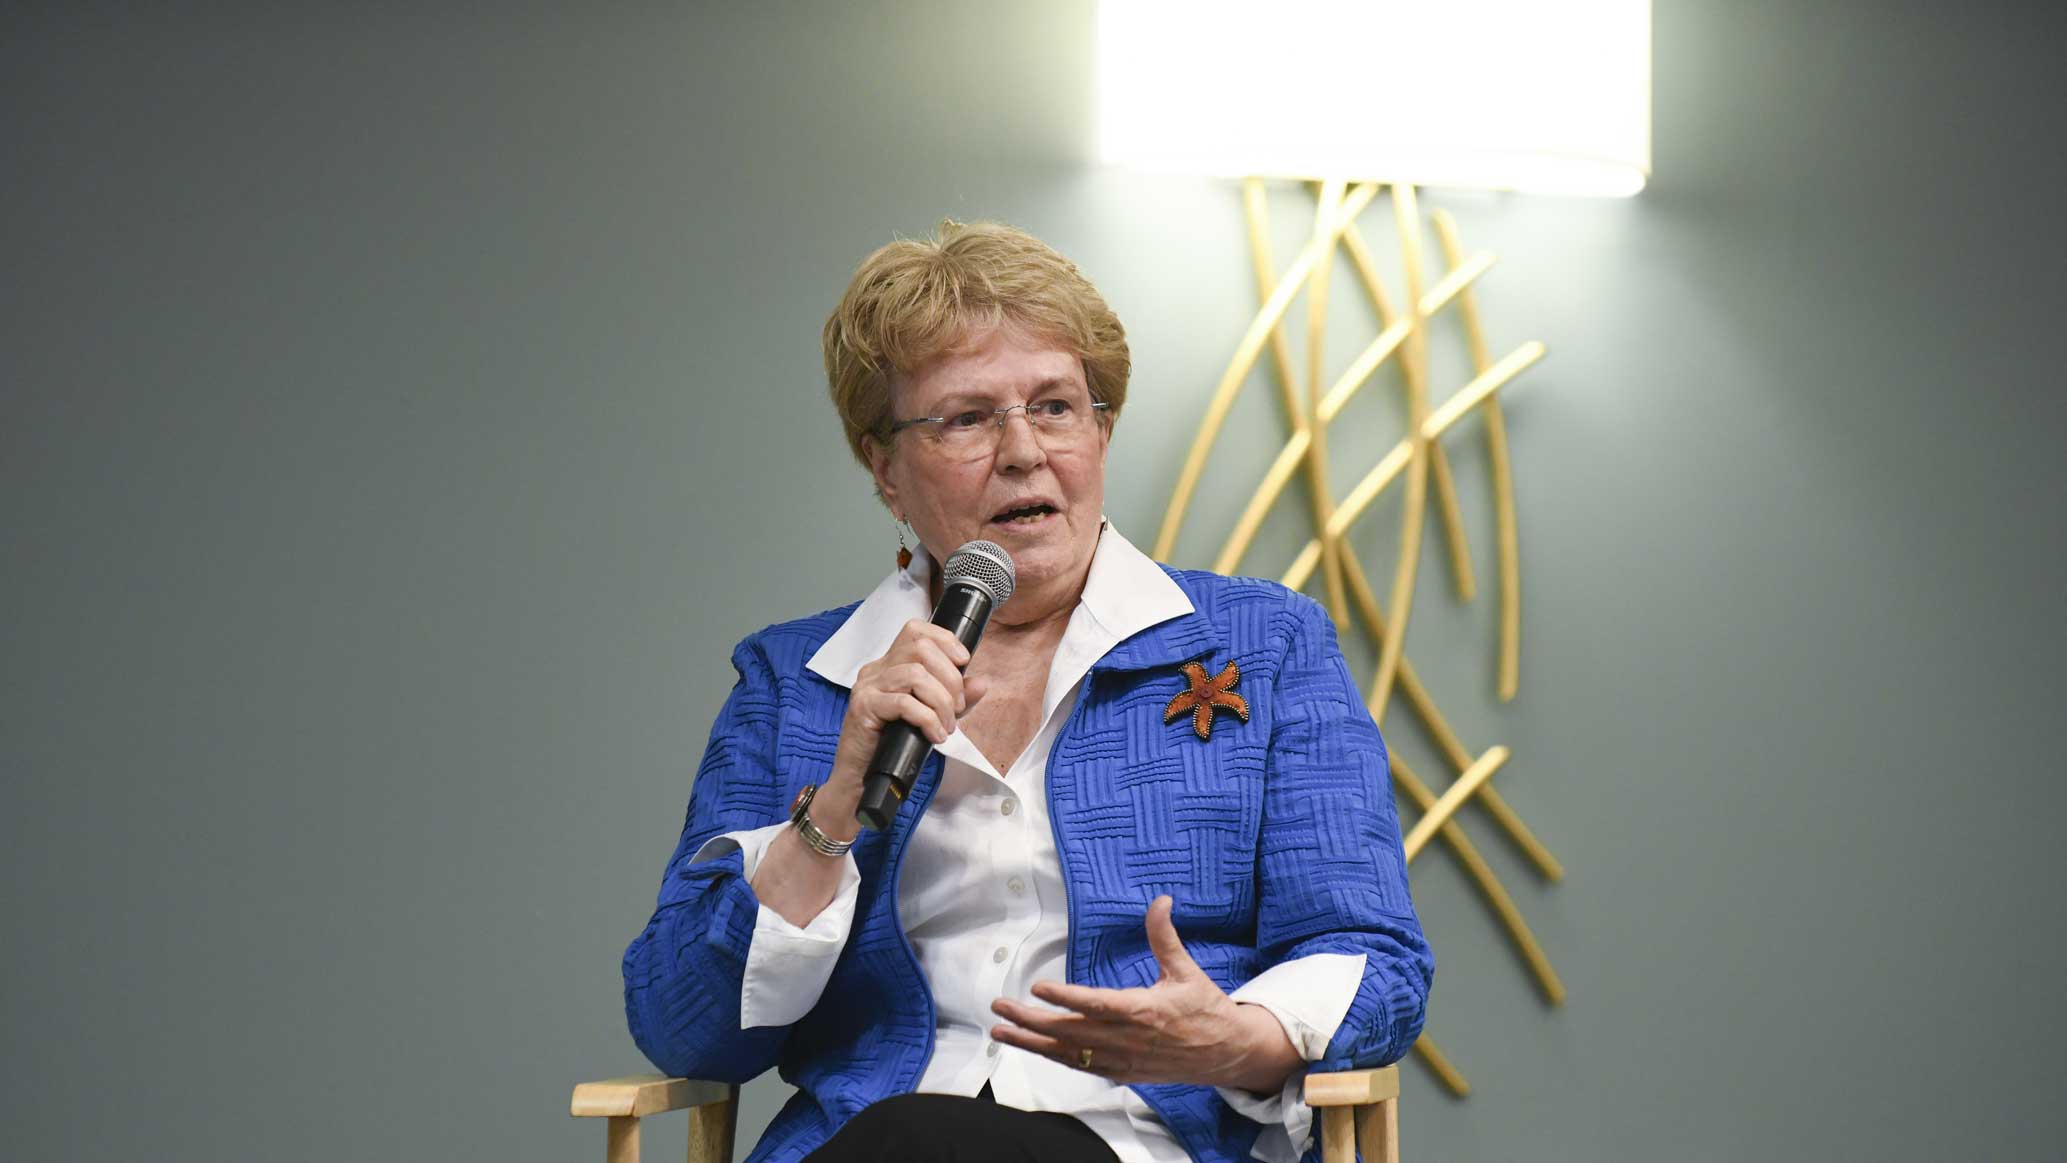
[902,750]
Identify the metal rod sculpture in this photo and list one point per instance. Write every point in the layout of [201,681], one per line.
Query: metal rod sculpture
[1418,459]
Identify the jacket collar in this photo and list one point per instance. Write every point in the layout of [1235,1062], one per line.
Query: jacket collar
[1131,598]
[1185,637]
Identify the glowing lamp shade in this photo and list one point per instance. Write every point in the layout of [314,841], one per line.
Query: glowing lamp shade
[1551,96]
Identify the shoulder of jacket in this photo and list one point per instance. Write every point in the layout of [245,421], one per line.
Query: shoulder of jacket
[787,646]
[1245,606]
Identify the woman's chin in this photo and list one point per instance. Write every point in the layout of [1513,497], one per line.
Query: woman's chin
[1040,566]
[1043,552]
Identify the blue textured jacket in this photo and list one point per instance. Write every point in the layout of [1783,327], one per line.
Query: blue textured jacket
[1277,838]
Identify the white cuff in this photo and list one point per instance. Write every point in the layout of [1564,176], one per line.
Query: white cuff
[1286,1119]
[1308,996]
[787,967]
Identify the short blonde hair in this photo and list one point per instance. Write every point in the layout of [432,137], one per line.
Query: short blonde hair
[917,298]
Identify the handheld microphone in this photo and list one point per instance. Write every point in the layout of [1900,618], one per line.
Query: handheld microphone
[976,579]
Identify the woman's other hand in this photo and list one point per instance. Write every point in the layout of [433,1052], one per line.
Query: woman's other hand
[918,680]
[1184,1028]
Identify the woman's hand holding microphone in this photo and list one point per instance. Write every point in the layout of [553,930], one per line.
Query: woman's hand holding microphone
[918,680]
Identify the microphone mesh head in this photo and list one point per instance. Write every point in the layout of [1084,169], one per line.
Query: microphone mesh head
[983,564]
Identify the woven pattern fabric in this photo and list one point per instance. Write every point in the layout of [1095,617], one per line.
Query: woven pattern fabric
[1277,838]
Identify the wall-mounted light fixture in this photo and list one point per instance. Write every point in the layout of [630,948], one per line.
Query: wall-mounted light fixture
[1545,96]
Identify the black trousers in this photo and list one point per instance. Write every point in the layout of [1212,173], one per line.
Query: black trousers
[947,1128]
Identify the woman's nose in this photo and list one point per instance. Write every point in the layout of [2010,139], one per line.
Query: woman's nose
[1019,446]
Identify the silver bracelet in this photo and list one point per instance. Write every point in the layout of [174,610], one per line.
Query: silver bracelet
[800,819]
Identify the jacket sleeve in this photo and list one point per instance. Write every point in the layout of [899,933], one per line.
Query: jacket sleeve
[1332,877]
[683,974]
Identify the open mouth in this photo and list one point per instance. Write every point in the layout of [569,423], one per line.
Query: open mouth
[1032,514]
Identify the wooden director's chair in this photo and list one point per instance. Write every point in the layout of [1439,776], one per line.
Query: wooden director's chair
[1359,1112]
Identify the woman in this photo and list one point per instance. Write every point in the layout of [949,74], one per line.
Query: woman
[1152,872]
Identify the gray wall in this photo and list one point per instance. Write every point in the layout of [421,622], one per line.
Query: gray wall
[404,411]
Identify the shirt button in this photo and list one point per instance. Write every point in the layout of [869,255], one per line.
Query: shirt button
[1008,807]
[1016,885]
[991,1051]
[999,954]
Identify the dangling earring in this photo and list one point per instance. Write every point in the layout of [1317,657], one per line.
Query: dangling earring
[903,550]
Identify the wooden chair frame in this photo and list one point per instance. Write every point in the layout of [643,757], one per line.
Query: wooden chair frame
[1359,1112]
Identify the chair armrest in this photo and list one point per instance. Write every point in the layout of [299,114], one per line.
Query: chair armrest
[639,1095]
[1360,1114]
[1353,1087]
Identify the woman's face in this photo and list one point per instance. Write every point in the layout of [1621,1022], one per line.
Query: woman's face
[950,501]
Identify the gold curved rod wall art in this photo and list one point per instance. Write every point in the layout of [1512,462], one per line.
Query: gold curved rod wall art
[1312,403]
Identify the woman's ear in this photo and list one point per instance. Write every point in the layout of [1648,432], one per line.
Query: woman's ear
[878,454]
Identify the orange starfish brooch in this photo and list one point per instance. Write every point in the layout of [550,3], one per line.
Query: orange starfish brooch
[1206,694]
